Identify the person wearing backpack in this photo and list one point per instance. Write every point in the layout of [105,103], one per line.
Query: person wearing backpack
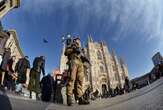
[22,69]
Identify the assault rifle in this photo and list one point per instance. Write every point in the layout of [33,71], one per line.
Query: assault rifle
[83,57]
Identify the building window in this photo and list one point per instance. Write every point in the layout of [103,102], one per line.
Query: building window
[2,2]
[11,3]
[123,77]
[1,45]
[10,44]
[99,56]
[102,69]
[116,76]
[114,68]
[86,77]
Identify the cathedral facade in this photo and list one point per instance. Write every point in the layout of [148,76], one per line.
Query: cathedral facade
[106,70]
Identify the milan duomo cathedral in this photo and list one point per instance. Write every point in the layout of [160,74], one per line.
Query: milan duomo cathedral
[106,70]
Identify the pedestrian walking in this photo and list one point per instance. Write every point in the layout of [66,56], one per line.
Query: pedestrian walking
[47,87]
[10,76]
[34,82]
[127,85]
[22,69]
[6,57]
[64,83]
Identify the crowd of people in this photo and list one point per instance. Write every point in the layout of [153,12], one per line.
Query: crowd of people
[16,75]
[111,92]
[19,75]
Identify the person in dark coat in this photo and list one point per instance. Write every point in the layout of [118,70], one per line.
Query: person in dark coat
[57,89]
[34,83]
[6,57]
[127,85]
[10,76]
[47,87]
[22,67]
[111,92]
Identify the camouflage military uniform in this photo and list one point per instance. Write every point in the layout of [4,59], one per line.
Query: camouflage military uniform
[75,77]
[75,74]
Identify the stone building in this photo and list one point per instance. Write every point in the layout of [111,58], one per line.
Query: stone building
[8,39]
[13,44]
[7,5]
[157,59]
[106,70]
[3,39]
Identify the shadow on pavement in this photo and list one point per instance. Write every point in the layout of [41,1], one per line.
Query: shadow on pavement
[4,100]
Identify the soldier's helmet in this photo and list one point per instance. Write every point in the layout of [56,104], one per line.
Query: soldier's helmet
[77,38]
[77,41]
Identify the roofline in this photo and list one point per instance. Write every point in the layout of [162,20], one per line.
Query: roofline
[3,33]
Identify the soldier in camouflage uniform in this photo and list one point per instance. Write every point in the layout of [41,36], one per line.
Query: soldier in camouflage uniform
[75,74]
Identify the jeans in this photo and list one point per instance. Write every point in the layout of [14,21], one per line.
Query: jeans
[19,87]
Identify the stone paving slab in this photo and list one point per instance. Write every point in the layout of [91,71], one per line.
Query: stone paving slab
[147,98]
[110,102]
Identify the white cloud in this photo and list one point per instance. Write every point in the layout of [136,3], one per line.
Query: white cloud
[144,16]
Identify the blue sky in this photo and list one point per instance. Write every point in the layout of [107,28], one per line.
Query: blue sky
[134,28]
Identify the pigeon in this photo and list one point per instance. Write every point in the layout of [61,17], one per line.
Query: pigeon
[45,41]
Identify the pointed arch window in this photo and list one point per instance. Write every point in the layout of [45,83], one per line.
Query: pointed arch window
[102,69]
[99,56]
[116,76]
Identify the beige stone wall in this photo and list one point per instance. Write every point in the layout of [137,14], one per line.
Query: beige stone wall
[3,38]
[63,61]
[9,5]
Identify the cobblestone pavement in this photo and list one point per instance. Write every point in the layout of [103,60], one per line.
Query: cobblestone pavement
[147,98]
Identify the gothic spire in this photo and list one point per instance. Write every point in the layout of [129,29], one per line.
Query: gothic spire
[90,38]
[113,52]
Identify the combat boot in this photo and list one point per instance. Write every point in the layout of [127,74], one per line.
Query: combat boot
[69,100]
[82,101]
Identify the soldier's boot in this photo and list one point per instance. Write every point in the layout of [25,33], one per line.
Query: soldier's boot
[69,100]
[82,101]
